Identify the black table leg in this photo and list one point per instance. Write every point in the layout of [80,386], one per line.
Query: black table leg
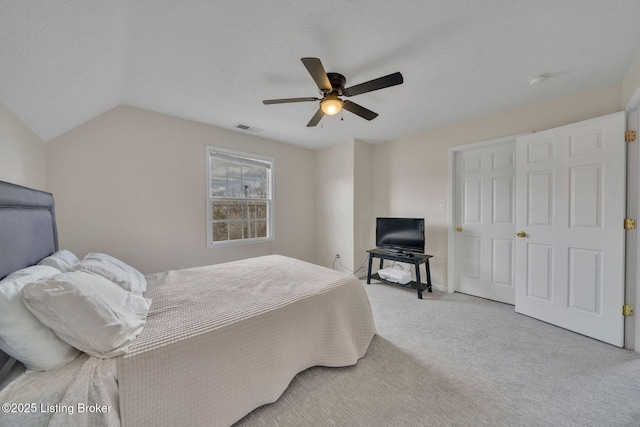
[417,266]
[428,270]
[369,272]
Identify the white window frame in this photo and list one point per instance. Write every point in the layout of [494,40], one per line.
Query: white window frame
[209,199]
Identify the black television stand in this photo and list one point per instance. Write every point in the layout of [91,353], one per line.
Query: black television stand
[409,258]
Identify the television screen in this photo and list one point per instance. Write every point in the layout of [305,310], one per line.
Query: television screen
[400,234]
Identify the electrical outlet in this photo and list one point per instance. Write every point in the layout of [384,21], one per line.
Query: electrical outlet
[337,256]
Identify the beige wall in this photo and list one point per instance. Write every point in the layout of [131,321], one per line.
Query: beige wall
[22,153]
[413,182]
[334,194]
[131,183]
[344,221]
[364,220]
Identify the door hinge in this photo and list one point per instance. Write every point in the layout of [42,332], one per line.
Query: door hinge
[629,136]
[627,310]
[629,224]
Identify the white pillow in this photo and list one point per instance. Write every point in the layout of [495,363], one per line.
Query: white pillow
[63,260]
[125,279]
[117,271]
[22,335]
[29,274]
[88,311]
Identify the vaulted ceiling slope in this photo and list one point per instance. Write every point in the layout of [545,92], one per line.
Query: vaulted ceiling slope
[62,62]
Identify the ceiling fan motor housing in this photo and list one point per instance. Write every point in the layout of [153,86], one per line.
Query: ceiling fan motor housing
[337,81]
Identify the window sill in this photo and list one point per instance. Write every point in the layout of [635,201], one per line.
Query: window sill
[212,245]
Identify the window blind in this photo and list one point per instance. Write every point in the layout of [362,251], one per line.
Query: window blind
[239,160]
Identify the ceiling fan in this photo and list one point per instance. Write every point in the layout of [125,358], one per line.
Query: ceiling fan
[331,86]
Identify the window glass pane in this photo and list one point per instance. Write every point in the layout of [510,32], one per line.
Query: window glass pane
[220,231]
[235,230]
[234,188]
[261,228]
[249,229]
[218,186]
[262,184]
[254,181]
[234,170]
[235,210]
[260,190]
[219,210]
[261,210]
[218,177]
[218,167]
[251,210]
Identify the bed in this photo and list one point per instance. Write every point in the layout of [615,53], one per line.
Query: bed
[219,341]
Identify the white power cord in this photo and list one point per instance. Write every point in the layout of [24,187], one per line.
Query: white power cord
[366,259]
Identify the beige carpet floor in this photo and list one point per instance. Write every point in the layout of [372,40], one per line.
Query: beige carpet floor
[457,360]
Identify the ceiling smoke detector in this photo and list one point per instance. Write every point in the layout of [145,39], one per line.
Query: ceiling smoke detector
[539,79]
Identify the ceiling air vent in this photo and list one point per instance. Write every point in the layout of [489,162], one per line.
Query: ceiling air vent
[247,128]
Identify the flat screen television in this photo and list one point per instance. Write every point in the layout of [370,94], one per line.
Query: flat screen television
[400,234]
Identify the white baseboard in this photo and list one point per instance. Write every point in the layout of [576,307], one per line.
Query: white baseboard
[441,288]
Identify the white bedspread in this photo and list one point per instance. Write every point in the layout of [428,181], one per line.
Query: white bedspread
[219,342]
[81,393]
[224,339]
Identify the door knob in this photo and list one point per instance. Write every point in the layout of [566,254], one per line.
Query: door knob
[458,229]
[521,234]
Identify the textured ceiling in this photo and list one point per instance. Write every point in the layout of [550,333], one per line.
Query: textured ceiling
[62,62]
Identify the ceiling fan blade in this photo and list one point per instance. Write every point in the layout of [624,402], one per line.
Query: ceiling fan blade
[359,110]
[316,118]
[371,85]
[315,68]
[285,100]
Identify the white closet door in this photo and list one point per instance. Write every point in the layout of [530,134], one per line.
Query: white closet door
[485,222]
[570,207]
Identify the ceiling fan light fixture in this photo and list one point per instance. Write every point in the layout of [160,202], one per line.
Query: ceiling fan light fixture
[331,105]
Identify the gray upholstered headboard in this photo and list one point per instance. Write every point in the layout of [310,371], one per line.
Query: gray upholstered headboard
[28,230]
[27,227]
